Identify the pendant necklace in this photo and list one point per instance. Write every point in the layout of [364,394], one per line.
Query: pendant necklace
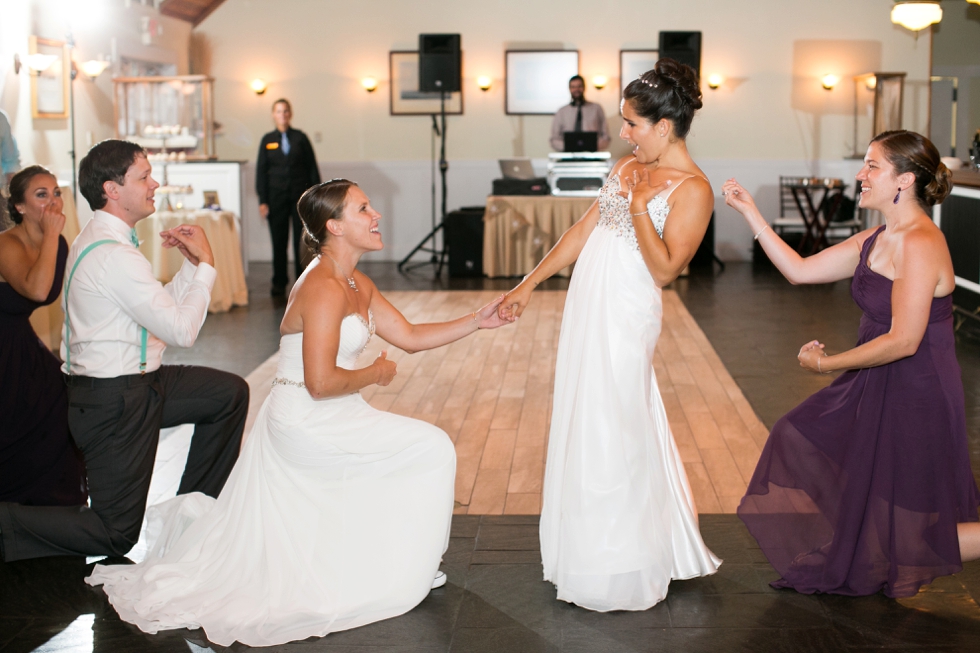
[350,280]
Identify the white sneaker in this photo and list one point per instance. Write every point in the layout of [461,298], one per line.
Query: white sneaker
[439,580]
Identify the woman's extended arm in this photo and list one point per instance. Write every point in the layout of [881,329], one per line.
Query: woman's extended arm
[917,267]
[690,212]
[564,253]
[831,264]
[324,309]
[394,328]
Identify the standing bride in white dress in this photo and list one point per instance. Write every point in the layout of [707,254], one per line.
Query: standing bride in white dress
[336,515]
[618,520]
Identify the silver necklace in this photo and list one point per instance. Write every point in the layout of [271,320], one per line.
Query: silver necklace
[350,280]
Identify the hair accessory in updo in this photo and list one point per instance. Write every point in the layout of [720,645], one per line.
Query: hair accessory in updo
[670,91]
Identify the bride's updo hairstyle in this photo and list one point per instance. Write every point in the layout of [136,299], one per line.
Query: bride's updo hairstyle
[911,152]
[671,90]
[321,203]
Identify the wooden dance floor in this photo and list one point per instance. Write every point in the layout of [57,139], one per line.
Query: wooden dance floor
[491,393]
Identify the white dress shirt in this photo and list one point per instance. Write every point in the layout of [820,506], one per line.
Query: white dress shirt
[114,293]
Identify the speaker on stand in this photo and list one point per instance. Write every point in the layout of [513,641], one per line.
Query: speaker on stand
[440,71]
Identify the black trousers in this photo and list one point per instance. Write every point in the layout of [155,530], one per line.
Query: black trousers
[116,424]
[282,213]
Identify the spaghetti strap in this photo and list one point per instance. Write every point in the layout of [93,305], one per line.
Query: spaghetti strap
[673,187]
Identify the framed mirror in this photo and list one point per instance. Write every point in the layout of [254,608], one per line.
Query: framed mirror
[49,88]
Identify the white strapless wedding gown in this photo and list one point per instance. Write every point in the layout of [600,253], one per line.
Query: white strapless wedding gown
[618,520]
[336,515]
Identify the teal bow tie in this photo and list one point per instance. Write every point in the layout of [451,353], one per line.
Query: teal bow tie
[133,239]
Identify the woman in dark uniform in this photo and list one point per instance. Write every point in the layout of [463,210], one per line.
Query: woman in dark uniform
[286,167]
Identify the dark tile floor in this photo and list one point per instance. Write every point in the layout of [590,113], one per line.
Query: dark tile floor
[495,599]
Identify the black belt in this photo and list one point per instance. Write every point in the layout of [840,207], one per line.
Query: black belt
[125,381]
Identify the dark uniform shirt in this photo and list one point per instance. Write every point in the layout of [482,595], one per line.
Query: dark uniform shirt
[277,174]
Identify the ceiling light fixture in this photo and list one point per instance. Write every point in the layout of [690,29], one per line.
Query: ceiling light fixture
[916,15]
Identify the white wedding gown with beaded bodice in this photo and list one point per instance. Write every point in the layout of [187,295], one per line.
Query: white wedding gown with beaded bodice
[335,516]
[618,520]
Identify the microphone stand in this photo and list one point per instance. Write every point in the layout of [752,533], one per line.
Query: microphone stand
[437,255]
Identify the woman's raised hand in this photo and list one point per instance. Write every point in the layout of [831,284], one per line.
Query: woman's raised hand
[386,368]
[489,316]
[737,197]
[513,303]
[53,217]
[640,191]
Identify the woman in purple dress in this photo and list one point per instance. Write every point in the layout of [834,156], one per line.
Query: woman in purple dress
[39,464]
[866,486]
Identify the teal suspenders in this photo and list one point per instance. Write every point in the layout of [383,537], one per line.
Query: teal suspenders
[143,334]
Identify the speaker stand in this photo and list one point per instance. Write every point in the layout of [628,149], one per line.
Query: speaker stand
[437,254]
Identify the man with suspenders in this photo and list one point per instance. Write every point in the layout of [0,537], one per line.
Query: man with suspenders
[118,321]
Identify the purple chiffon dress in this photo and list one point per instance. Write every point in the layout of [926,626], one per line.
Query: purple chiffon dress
[859,489]
[39,464]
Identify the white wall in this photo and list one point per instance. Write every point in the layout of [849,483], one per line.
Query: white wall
[100,28]
[771,117]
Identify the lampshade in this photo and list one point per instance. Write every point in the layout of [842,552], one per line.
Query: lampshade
[258,85]
[829,81]
[369,84]
[715,80]
[917,14]
[94,68]
[600,81]
[484,82]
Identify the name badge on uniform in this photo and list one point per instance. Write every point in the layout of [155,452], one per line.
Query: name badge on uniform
[272,146]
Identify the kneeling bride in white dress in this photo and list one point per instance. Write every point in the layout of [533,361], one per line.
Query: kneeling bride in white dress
[336,514]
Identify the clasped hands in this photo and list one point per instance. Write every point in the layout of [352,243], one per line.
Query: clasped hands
[190,241]
[810,355]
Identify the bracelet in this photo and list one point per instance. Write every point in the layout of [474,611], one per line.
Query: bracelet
[818,365]
[475,317]
[756,237]
[636,215]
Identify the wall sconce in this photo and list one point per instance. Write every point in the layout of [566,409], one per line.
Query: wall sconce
[484,82]
[37,63]
[599,81]
[714,81]
[872,81]
[94,68]
[829,81]
[370,84]
[917,14]
[258,86]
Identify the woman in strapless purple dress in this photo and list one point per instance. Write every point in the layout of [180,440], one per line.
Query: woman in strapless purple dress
[866,486]
[39,464]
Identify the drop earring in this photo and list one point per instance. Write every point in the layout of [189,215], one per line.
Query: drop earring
[897,196]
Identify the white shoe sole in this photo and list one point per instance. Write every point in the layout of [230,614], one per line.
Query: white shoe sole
[439,580]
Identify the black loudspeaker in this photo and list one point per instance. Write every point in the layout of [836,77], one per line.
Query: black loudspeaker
[682,46]
[440,63]
[705,254]
[464,240]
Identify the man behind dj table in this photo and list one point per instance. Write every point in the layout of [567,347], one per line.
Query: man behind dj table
[579,116]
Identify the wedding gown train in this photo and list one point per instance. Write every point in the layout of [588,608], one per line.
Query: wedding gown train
[618,520]
[335,516]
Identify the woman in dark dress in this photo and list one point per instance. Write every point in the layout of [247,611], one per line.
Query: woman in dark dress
[866,486]
[39,464]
